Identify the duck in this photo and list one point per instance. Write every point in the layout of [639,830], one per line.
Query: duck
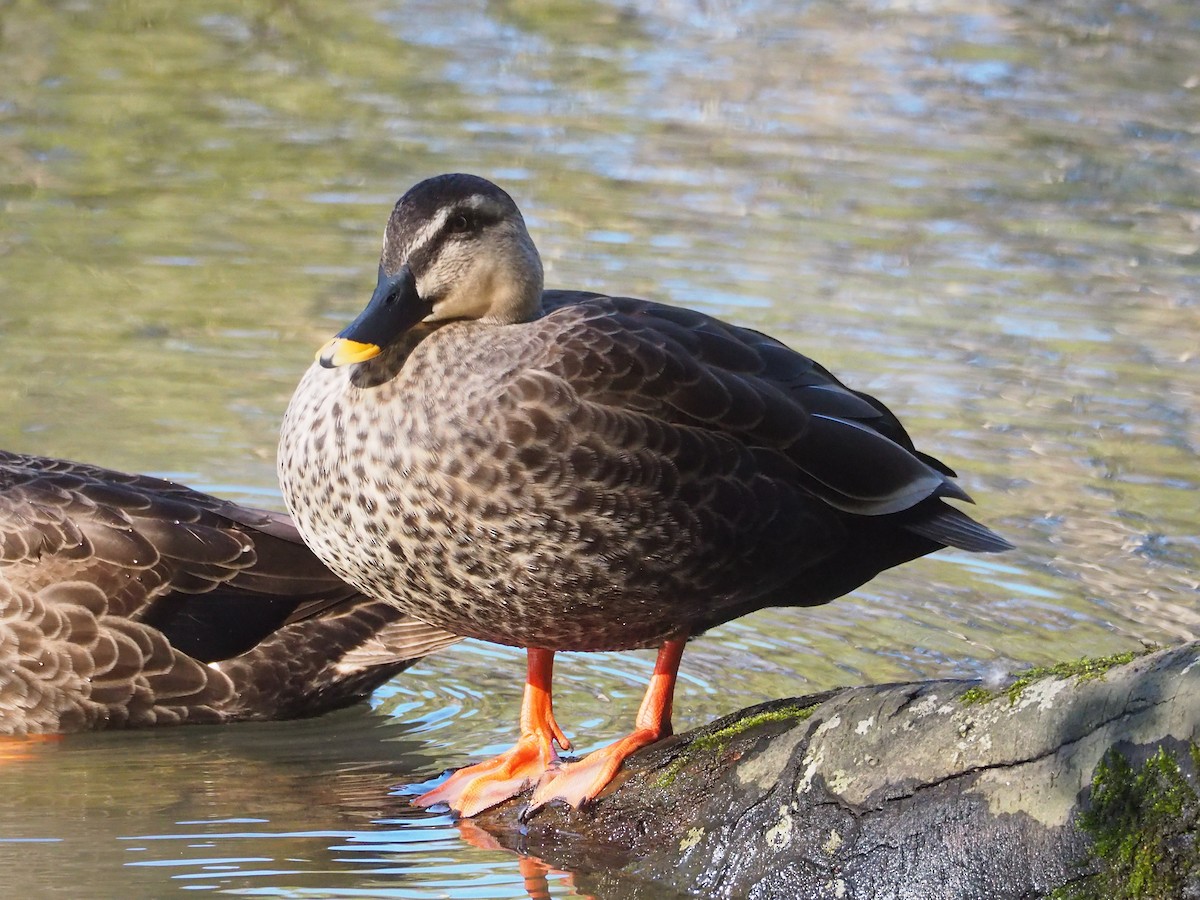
[562,470]
[133,601]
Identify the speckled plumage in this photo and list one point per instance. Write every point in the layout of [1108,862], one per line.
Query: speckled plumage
[575,471]
[127,600]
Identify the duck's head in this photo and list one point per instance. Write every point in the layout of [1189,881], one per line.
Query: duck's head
[455,247]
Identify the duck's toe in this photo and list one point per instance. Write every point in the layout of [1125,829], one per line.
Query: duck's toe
[473,789]
[581,782]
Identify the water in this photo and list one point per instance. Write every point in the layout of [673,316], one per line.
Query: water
[985,214]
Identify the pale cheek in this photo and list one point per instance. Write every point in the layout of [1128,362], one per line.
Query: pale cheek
[472,298]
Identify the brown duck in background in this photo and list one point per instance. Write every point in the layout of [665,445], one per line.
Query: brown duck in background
[127,601]
[562,470]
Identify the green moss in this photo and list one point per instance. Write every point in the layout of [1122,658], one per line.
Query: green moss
[718,740]
[1085,669]
[1143,824]
[977,694]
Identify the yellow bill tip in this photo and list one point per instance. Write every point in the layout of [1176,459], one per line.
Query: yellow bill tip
[343,351]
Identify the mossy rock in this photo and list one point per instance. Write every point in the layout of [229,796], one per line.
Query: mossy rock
[1144,823]
[1085,668]
[906,790]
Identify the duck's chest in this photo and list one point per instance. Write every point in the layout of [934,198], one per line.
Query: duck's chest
[458,483]
[405,469]
[384,427]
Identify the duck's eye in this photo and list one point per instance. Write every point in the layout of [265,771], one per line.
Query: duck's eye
[459,224]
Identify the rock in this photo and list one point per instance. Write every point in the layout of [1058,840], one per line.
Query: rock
[924,790]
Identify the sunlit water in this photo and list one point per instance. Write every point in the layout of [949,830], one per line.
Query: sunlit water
[984,213]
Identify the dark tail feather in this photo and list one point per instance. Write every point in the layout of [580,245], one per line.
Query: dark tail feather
[953,528]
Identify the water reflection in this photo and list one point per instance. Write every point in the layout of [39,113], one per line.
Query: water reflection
[251,796]
[982,213]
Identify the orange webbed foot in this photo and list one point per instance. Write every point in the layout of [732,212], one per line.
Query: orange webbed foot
[475,788]
[581,782]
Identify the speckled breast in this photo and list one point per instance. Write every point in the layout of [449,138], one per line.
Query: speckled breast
[436,476]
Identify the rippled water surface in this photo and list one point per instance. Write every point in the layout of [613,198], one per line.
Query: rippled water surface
[987,214]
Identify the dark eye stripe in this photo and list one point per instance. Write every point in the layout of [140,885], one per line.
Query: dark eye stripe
[418,259]
[476,218]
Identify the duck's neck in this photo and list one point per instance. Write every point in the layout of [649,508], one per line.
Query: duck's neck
[387,365]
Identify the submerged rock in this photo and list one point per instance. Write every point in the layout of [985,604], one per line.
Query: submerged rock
[929,789]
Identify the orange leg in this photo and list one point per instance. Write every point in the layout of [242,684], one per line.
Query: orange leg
[580,782]
[476,788]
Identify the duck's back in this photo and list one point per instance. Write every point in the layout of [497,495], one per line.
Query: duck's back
[127,600]
[605,475]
